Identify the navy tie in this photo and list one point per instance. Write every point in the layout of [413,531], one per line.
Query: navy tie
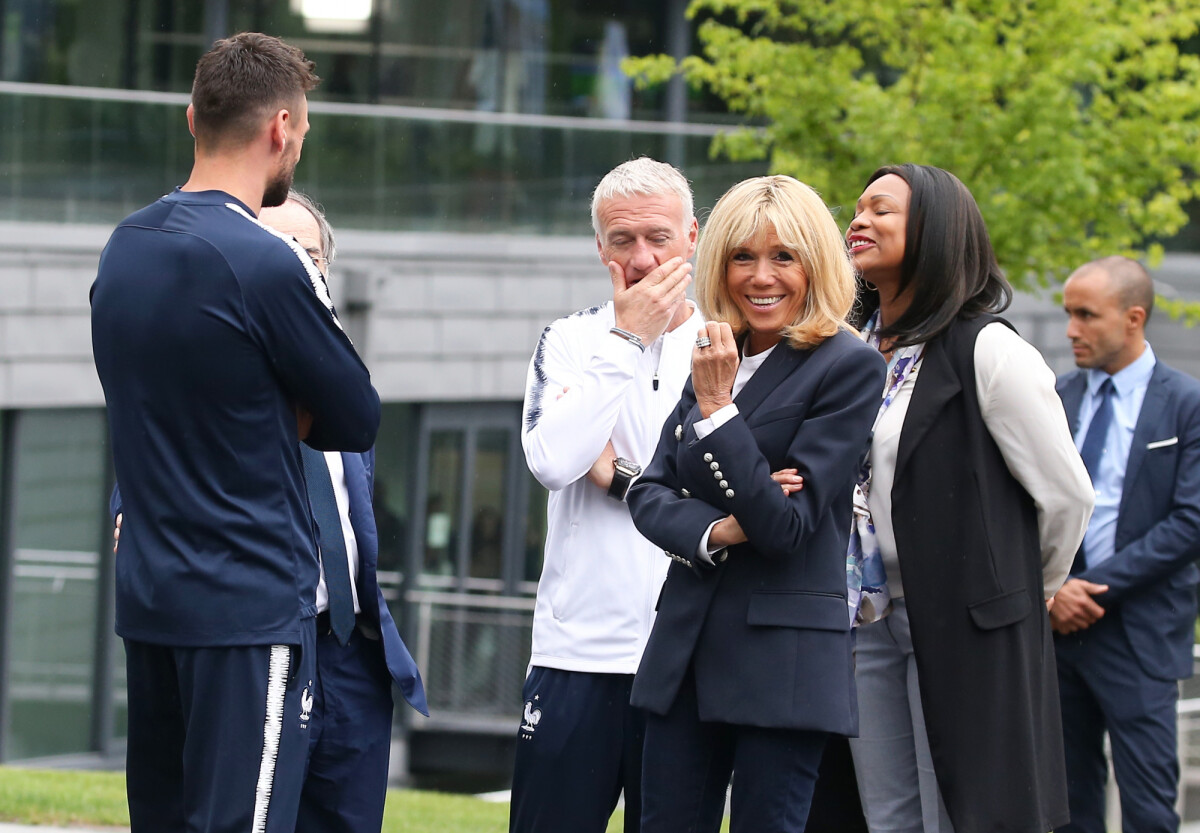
[1093,450]
[332,543]
[1093,443]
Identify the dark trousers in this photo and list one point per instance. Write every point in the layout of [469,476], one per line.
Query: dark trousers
[350,738]
[688,764]
[579,745]
[836,806]
[217,736]
[1103,687]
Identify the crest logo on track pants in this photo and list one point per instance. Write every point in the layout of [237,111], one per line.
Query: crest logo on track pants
[306,704]
[531,718]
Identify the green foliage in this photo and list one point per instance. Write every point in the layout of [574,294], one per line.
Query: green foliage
[1073,122]
[61,797]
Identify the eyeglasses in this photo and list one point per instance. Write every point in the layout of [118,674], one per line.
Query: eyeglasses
[317,257]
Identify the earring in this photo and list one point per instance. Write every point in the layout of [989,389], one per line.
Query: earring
[871,286]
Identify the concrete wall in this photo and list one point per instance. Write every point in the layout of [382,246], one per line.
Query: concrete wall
[437,317]
[456,317]
[45,338]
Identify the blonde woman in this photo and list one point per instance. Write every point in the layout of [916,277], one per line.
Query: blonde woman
[748,667]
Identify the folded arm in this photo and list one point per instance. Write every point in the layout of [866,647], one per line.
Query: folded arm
[572,403]
[314,359]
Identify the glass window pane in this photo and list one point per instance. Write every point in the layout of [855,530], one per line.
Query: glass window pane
[395,453]
[59,486]
[85,160]
[489,504]
[441,506]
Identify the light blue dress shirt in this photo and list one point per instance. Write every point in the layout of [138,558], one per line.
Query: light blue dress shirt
[1129,383]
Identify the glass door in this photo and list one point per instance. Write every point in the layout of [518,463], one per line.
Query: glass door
[469,498]
[470,603]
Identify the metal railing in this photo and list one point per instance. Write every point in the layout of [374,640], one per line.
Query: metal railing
[473,651]
[92,155]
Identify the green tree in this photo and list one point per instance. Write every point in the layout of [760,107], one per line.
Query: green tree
[1073,122]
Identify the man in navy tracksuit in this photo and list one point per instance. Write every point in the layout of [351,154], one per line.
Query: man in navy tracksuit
[209,333]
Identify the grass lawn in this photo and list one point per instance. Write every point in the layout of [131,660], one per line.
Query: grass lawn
[97,799]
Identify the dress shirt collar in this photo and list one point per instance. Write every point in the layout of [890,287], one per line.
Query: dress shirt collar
[1136,375]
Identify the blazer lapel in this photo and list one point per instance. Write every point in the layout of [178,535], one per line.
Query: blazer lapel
[1072,398]
[1154,407]
[362,519]
[936,385]
[778,366]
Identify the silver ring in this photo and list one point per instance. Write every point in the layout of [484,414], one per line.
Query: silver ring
[703,341]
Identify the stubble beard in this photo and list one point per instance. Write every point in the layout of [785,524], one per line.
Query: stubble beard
[277,189]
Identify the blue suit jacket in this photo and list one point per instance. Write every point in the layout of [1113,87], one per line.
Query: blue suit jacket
[360,479]
[1151,577]
[767,630]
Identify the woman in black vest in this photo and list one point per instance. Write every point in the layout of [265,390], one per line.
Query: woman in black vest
[967,516]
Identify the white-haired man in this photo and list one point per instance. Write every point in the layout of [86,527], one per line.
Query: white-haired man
[600,384]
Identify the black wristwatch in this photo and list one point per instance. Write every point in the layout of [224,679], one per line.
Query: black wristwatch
[623,473]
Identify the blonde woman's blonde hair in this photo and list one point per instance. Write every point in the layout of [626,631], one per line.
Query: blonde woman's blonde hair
[805,227]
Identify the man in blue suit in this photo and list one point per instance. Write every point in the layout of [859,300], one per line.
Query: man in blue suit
[349,702]
[350,729]
[1124,620]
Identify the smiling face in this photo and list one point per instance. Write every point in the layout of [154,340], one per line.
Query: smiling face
[768,284]
[876,237]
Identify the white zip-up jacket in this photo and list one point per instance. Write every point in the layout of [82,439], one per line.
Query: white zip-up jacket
[600,578]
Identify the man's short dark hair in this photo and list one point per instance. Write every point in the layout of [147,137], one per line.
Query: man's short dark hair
[241,80]
[1130,280]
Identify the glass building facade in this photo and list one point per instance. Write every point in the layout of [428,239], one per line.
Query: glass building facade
[458,117]
[475,115]
[536,57]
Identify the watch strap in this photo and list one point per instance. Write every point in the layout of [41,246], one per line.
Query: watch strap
[623,473]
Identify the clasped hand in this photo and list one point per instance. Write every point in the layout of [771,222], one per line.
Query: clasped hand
[1074,609]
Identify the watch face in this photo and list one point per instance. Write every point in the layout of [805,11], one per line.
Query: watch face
[627,467]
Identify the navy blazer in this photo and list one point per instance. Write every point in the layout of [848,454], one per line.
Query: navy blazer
[767,629]
[1151,577]
[360,481]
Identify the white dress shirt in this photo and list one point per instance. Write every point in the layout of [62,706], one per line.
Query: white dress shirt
[1129,390]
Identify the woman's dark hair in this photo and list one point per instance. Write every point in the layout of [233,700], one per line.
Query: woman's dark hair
[948,259]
